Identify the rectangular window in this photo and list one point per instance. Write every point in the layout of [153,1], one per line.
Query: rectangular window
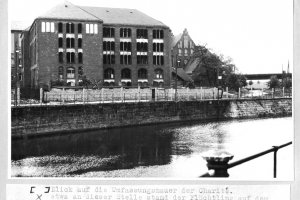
[43,27]
[60,42]
[79,43]
[108,32]
[185,52]
[47,26]
[142,33]
[125,32]
[91,28]
[96,28]
[158,34]
[87,28]
[142,46]
[80,58]
[179,52]
[142,59]
[125,46]
[158,47]
[52,27]
[185,41]
[125,59]
[79,28]
[60,27]
[70,57]
[60,57]
[158,60]
[108,59]
[108,46]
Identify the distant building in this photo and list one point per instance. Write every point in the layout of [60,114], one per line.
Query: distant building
[113,46]
[182,47]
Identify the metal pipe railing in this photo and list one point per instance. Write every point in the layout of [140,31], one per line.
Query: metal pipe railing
[218,166]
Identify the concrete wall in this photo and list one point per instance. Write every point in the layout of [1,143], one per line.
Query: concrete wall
[42,119]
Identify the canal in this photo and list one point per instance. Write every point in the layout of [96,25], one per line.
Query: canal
[157,151]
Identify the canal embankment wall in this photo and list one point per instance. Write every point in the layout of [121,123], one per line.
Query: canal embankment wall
[35,120]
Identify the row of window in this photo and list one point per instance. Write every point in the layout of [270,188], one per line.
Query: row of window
[127,59]
[109,73]
[126,74]
[185,52]
[70,43]
[126,46]
[70,57]
[93,29]
[70,72]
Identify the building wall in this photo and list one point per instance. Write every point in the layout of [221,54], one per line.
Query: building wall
[134,67]
[47,53]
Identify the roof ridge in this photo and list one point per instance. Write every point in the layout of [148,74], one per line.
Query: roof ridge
[84,10]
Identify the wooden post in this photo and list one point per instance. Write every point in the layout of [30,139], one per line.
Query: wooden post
[283,92]
[272,93]
[155,92]
[102,95]
[239,93]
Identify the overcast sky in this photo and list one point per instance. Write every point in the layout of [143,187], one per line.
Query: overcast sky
[256,34]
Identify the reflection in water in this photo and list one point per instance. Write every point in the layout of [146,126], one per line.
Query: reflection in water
[147,151]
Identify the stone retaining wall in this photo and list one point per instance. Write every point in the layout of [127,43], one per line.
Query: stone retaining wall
[79,117]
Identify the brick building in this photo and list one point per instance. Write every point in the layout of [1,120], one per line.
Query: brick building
[182,47]
[111,46]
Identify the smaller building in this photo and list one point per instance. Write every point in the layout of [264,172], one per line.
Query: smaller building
[183,48]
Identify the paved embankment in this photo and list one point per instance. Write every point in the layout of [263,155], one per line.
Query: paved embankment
[78,117]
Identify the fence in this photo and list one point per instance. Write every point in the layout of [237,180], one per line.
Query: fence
[120,94]
[218,165]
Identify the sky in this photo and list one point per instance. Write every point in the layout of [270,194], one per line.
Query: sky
[256,34]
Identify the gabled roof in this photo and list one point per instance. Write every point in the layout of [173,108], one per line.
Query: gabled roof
[122,16]
[70,12]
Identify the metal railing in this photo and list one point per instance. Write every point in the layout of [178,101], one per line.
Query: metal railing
[218,166]
[121,95]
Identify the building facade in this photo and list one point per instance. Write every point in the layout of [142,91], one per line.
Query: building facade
[183,48]
[110,46]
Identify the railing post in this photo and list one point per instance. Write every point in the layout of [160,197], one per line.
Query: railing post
[41,96]
[275,161]
[239,93]
[122,99]
[227,92]
[272,93]
[102,97]
[218,161]
[283,92]
[201,93]
[63,96]
[139,93]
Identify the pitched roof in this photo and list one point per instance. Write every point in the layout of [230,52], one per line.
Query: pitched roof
[122,16]
[68,11]
[107,15]
[192,65]
[182,74]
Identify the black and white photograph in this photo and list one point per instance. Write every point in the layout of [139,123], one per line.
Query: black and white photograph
[160,89]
